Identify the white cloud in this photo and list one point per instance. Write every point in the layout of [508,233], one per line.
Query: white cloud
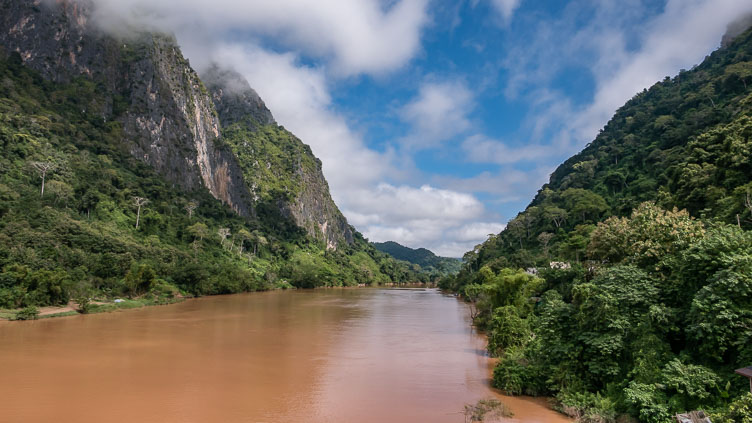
[441,220]
[298,96]
[481,149]
[506,7]
[438,113]
[624,52]
[356,36]
[508,185]
[678,38]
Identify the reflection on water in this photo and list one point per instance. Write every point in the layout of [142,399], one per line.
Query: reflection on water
[334,355]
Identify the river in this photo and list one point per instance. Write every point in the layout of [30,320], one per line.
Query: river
[327,355]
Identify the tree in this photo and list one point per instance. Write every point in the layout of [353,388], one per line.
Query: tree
[556,215]
[223,234]
[708,91]
[140,279]
[190,207]
[43,168]
[545,238]
[584,203]
[649,235]
[258,240]
[529,217]
[199,230]
[516,228]
[61,191]
[244,236]
[139,202]
[741,70]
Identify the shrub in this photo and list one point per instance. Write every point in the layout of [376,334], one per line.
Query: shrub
[739,411]
[28,313]
[587,407]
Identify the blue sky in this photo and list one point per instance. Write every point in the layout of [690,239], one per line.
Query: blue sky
[437,121]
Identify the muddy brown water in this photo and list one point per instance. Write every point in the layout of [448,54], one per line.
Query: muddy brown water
[334,355]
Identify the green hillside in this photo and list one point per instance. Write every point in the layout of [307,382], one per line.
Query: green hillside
[649,309]
[424,258]
[79,239]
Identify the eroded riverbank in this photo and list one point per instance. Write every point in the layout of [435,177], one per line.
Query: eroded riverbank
[338,355]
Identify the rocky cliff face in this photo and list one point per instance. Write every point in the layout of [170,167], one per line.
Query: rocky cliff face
[234,98]
[171,121]
[167,118]
[278,166]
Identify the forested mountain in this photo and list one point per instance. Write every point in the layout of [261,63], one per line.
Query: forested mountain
[124,173]
[424,258]
[640,300]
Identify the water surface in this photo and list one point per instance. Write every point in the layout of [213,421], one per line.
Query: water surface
[334,355]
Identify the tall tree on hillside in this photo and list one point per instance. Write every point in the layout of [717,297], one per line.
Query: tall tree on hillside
[741,70]
[529,218]
[199,230]
[139,202]
[516,227]
[545,238]
[43,168]
[584,203]
[223,234]
[244,236]
[190,207]
[556,215]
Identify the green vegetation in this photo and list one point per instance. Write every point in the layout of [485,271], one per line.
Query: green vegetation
[80,218]
[486,408]
[427,260]
[638,295]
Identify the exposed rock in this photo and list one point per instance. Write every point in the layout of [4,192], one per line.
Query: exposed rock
[234,98]
[168,119]
[308,203]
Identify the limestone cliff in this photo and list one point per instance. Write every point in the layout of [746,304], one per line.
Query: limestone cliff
[223,139]
[279,168]
[168,120]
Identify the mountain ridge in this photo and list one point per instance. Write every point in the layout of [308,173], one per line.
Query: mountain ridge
[164,107]
[423,257]
[627,278]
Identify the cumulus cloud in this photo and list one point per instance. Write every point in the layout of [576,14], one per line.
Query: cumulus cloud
[356,36]
[438,113]
[444,221]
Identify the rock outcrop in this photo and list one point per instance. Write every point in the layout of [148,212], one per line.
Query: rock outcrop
[168,120]
[305,196]
[168,117]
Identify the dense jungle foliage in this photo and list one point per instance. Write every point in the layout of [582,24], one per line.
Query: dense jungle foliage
[637,294]
[86,236]
[426,259]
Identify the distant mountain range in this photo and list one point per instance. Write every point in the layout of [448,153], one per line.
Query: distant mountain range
[424,258]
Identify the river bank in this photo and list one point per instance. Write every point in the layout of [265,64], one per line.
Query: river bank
[94,307]
[118,304]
